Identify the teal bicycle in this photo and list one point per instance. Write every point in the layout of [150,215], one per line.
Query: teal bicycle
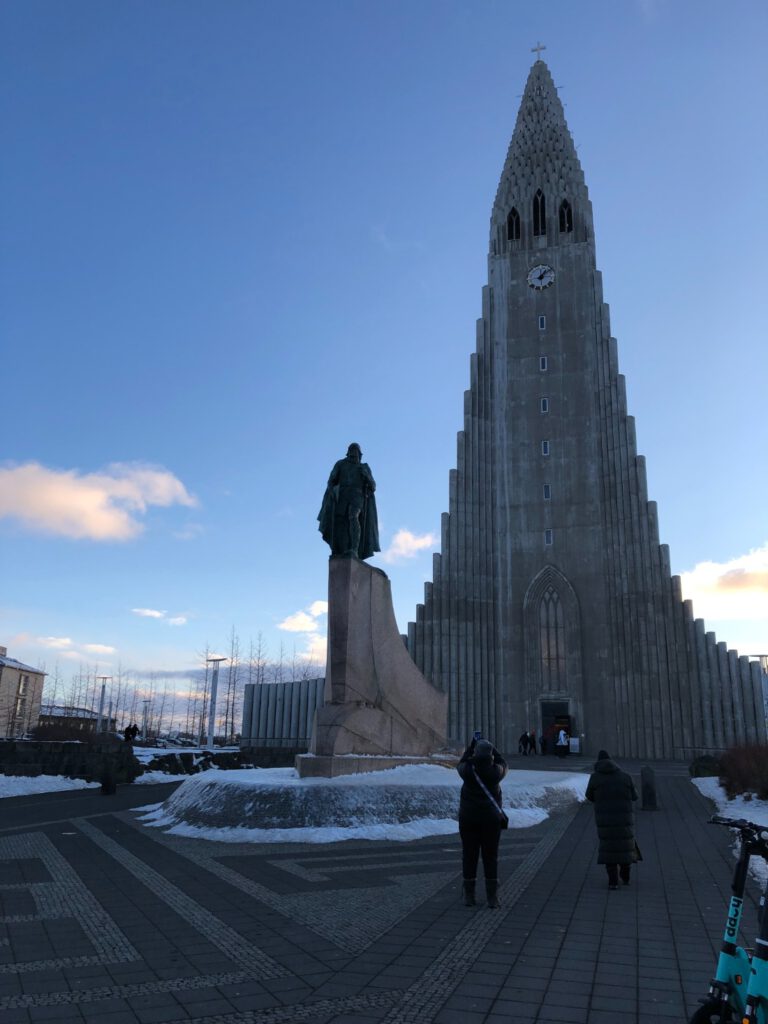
[739,990]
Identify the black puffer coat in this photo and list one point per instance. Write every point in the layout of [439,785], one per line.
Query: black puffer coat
[474,806]
[613,792]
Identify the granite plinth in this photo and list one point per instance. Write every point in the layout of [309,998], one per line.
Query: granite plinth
[310,766]
[376,701]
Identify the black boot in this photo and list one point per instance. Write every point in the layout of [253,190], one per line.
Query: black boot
[491,892]
[469,892]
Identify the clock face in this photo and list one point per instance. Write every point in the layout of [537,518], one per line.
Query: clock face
[541,277]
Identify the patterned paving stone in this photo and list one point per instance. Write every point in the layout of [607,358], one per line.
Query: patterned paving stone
[114,923]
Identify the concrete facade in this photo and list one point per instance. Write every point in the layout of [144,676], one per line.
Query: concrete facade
[552,595]
[280,714]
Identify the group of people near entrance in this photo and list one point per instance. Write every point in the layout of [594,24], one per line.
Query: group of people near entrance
[559,737]
[482,818]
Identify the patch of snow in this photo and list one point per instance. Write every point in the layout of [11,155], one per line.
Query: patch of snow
[145,754]
[152,778]
[20,785]
[753,810]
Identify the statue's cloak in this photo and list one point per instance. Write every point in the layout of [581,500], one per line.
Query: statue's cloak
[333,520]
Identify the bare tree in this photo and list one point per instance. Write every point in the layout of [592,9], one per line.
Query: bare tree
[53,685]
[161,710]
[233,675]
[278,667]
[309,669]
[198,722]
[257,661]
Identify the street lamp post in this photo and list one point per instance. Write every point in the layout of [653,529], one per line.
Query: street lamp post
[99,726]
[145,720]
[212,704]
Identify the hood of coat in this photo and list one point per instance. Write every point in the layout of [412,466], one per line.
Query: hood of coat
[606,766]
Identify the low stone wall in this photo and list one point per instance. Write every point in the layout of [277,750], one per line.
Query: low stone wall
[274,757]
[91,760]
[184,762]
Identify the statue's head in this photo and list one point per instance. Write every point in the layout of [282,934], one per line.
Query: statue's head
[354,452]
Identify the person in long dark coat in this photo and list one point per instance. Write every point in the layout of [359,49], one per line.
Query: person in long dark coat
[613,793]
[479,823]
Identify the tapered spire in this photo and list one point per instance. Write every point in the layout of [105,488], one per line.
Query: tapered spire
[542,154]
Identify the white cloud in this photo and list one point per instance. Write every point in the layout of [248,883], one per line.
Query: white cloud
[733,590]
[157,613]
[305,622]
[299,622]
[55,642]
[316,650]
[407,545]
[101,506]
[99,649]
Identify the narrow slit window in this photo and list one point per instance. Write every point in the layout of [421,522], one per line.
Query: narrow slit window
[539,214]
[542,363]
[552,642]
[545,447]
[542,323]
[513,225]
[566,216]
[548,537]
[544,404]
[547,492]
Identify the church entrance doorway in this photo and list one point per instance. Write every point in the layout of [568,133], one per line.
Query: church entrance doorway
[554,717]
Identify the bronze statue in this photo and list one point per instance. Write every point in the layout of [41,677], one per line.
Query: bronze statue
[348,519]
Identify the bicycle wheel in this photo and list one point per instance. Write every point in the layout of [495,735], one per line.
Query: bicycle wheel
[712,1013]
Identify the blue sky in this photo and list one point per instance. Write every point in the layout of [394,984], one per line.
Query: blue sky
[239,235]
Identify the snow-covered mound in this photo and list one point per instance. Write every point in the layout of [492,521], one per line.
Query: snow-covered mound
[274,804]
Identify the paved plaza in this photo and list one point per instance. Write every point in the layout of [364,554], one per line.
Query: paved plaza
[106,921]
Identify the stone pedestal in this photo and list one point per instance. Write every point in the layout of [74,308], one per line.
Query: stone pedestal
[377,703]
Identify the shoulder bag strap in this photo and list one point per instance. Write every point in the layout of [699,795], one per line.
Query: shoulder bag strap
[482,785]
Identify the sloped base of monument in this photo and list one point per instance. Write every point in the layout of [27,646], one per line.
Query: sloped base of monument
[377,702]
[352,728]
[313,766]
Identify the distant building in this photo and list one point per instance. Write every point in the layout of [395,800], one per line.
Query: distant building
[21,690]
[73,718]
[280,714]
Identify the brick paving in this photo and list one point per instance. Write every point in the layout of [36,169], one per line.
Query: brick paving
[105,921]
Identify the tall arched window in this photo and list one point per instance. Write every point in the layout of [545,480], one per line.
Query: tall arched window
[539,214]
[566,216]
[552,642]
[513,225]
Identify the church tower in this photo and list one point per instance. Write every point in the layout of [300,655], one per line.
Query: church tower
[552,599]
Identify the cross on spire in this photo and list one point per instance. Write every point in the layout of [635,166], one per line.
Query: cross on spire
[537,49]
